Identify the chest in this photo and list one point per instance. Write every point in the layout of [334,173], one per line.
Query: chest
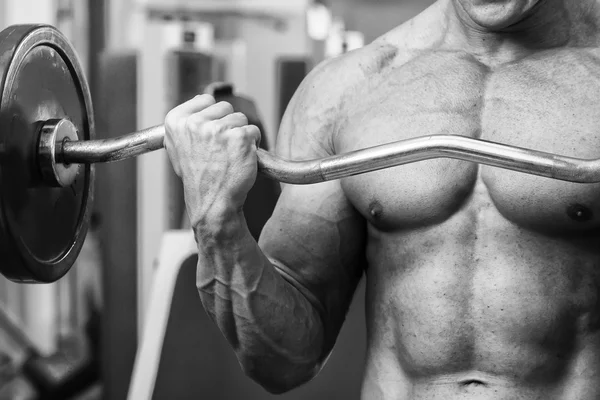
[549,102]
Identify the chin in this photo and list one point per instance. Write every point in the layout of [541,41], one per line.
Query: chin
[496,15]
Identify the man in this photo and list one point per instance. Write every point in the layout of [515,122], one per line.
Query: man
[482,283]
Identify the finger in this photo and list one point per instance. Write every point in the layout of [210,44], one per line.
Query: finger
[235,120]
[216,111]
[200,121]
[183,111]
[195,105]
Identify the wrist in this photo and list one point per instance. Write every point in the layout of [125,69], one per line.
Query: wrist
[219,223]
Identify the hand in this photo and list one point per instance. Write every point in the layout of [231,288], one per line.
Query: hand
[213,151]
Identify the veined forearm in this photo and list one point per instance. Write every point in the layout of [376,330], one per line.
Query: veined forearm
[272,326]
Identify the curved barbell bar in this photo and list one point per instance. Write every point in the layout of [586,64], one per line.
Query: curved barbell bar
[356,162]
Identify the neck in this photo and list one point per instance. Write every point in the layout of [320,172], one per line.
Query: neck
[547,24]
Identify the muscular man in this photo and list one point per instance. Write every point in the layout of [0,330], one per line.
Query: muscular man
[482,283]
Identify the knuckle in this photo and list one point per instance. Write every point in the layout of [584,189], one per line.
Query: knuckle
[242,138]
[237,133]
[236,139]
[191,125]
[215,127]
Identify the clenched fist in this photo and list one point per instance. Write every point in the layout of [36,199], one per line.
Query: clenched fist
[213,151]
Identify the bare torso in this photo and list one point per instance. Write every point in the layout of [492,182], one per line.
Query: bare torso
[482,283]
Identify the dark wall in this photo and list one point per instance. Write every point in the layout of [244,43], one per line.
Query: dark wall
[198,363]
[116,198]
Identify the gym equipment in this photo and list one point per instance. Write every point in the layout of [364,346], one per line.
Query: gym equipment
[43,95]
[27,374]
[291,71]
[47,146]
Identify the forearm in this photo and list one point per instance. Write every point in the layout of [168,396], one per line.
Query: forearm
[274,329]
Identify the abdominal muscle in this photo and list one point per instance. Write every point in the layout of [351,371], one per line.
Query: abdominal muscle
[478,308]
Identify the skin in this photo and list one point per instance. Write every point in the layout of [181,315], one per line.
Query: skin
[482,283]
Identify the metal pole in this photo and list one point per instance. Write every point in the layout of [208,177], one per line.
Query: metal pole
[357,162]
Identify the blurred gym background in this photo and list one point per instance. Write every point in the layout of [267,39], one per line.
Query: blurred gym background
[131,295]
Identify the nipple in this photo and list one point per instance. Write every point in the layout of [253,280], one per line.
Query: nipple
[375,209]
[579,213]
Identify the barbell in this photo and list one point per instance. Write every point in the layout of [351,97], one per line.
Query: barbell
[48,148]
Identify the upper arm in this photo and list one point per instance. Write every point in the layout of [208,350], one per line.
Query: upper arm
[315,235]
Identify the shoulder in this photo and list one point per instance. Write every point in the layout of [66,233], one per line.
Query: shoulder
[312,115]
[310,122]
[331,79]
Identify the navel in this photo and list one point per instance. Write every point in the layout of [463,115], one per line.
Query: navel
[579,213]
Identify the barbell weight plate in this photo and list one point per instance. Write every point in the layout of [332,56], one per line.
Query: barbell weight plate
[42,228]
